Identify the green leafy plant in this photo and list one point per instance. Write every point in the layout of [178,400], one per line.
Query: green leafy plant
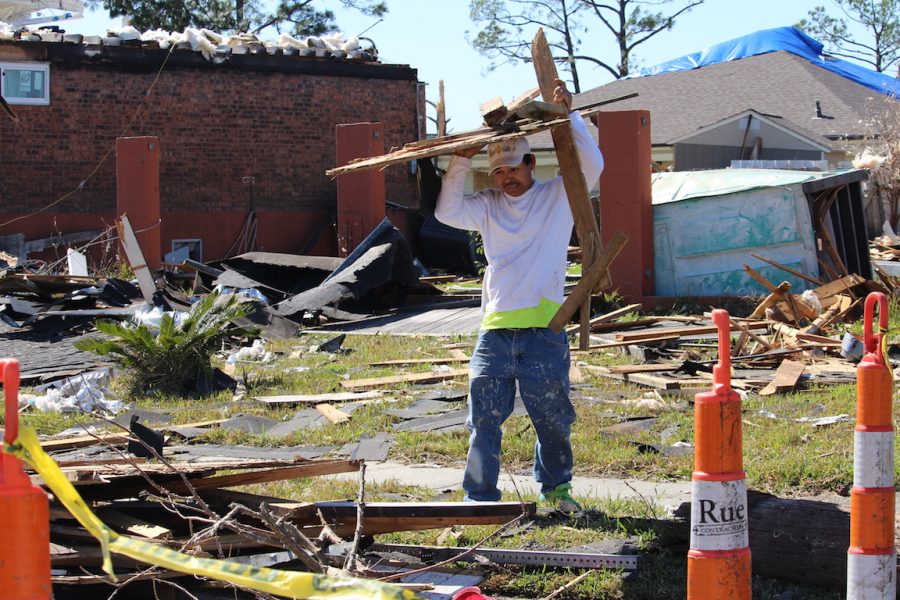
[177,358]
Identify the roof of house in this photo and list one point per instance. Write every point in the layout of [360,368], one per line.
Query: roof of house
[802,134]
[326,55]
[779,84]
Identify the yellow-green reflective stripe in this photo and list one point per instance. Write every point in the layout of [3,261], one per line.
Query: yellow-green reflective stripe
[520,318]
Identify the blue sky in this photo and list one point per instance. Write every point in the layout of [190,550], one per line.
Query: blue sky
[430,36]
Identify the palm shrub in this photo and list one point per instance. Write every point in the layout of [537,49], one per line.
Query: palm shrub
[177,358]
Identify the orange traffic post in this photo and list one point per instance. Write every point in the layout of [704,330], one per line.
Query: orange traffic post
[871,557]
[24,512]
[719,555]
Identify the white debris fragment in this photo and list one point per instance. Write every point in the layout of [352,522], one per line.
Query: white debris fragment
[151,316]
[199,42]
[248,292]
[288,41]
[823,421]
[255,353]
[83,393]
[6,31]
[126,33]
[160,36]
[868,160]
[810,297]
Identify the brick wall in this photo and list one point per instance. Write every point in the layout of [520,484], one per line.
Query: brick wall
[217,126]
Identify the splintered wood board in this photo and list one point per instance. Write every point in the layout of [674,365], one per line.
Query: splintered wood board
[318,398]
[411,378]
[786,377]
[683,331]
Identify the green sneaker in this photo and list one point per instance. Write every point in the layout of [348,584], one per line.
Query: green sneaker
[559,497]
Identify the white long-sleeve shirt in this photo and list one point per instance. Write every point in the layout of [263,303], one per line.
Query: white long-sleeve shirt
[525,237]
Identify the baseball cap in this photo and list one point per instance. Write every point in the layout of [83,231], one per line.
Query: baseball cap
[507,154]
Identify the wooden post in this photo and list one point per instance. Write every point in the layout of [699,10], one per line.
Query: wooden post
[573,179]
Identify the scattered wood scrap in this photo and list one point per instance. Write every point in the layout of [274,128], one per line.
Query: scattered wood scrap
[353,384]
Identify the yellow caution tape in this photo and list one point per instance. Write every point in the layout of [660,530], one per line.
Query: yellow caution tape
[292,584]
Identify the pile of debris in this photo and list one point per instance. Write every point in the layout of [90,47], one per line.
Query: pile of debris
[41,313]
[183,500]
[786,342]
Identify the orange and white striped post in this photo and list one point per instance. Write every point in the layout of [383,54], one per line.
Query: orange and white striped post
[719,556]
[871,557]
[24,511]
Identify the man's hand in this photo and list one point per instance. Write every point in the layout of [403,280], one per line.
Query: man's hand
[562,96]
[469,152]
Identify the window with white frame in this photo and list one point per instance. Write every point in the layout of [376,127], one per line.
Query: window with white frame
[25,82]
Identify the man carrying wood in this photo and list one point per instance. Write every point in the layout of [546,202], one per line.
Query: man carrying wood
[526,226]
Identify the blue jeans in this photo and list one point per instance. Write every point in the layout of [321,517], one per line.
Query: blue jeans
[538,360]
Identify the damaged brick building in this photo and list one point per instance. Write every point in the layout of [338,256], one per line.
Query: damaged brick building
[248,127]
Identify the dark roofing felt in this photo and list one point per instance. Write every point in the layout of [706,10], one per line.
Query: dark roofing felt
[779,84]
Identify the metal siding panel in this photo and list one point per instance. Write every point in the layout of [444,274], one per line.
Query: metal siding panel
[704,243]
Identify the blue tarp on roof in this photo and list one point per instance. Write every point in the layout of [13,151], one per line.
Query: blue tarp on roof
[789,39]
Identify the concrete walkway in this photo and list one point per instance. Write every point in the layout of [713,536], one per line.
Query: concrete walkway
[662,494]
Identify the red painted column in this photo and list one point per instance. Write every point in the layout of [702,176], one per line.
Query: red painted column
[626,198]
[137,192]
[360,195]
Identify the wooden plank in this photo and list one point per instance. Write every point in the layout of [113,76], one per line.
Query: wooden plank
[623,325]
[419,361]
[745,331]
[195,424]
[820,340]
[608,317]
[647,379]
[615,314]
[446,145]
[411,378]
[309,469]
[133,525]
[629,369]
[80,441]
[683,331]
[524,98]
[771,300]
[790,270]
[386,517]
[494,111]
[333,415]
[577,190]
[794,307]
[661,338]
[589,279]
[832,288]
[786,377]
[538,110]
[136,259]
[316,398]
